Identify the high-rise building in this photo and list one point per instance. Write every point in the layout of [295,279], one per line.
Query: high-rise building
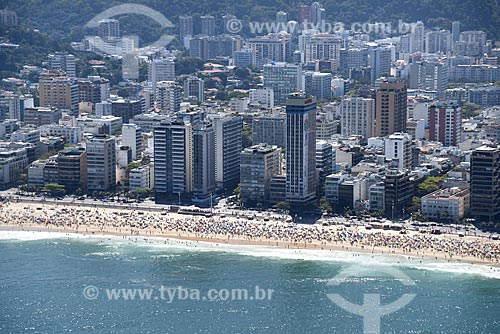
[108,28]
[185,29]
[259,163]
[471,43]
[173,161]
[485,184]
[317,13]
[203,162]
[445,123]
[101,163]
[64,62]
[300,148]
[418,36]
[8,18]
[39,116]
[282,18]
[283,79]
[93,89]
[485,96]
[398,149]
[168,96]
[161,70]
[269,129]
[305,15]
[12,106]
[319,85]
[207,25]
[223,46]
[426,75]
[263,97]
[124,108]
[380,60]
[390,108]
[59,92]
[198,47]
[72,169]
[353,58]
[357,117]
[226,20]
[323,47]
[324,160]
[244,58]
[13,157]
[228,143]
[271,48]
[455,31]
[438,41]
[194,87]
[132,137]
[398,192]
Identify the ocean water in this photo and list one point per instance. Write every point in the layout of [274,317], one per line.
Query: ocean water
[56,283]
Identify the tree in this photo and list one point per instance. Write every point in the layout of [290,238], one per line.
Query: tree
[430,184]
[246,134]
[325,206]
[282,206]
[188,65]
[54,189]
[470,110]
[236,191]
[140,193]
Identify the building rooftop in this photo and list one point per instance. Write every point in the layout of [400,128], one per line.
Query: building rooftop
[448,193]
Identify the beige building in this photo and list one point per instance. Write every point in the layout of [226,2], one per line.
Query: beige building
[449,204]
[59,92]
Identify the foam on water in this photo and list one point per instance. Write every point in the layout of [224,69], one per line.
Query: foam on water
[157,244]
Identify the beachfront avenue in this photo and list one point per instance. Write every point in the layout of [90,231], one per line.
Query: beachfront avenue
[179,293]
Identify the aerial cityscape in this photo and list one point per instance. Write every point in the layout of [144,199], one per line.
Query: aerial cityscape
[249,168]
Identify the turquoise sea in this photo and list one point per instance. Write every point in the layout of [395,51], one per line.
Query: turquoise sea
[56,283]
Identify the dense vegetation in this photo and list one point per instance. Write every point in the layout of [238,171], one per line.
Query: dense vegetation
[33,48]
[64,19]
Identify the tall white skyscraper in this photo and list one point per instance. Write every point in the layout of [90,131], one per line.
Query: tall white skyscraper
[418,35]
[101,163]
[317,13]
[358,117]
[227,149]
[161,70]
[300,148]
[185,29]
[108,28]
[194,87]
[398,149]
[173,160]
[131,137]
[168,96]
[283,79]
[64,62]
[319,85]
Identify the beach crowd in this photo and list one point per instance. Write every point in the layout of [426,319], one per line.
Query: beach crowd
[217,228]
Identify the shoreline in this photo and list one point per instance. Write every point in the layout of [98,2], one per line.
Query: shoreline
[92,227]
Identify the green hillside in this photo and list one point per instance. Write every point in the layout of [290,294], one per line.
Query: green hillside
[64,19]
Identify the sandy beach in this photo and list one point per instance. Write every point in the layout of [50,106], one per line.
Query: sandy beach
[231,230]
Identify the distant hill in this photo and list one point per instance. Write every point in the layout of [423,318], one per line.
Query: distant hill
[33,49]
[63,20]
